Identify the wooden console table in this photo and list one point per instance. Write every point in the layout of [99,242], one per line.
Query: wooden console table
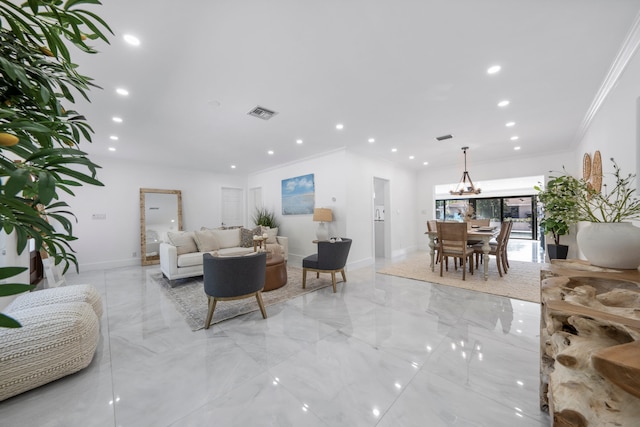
[590,345]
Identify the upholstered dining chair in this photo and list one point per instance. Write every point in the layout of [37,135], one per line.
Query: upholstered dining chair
[236,277]
[498,248]
[331,258]
[452,242]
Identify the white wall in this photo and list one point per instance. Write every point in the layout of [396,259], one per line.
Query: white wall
[401,215]
[614,129]
[329,185]
[344,183]
[112,242]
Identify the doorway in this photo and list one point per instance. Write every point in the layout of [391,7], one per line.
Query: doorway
[381,219]
[232,207]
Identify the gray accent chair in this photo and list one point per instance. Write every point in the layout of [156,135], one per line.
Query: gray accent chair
[331,258]
[229,278]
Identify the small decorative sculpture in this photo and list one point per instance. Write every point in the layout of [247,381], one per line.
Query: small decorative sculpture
[469,214]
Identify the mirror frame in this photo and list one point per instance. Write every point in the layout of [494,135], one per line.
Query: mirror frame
[143,235]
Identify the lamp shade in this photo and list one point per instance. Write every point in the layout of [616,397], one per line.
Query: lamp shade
[322,215]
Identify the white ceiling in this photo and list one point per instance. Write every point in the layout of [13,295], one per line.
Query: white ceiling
[402,72]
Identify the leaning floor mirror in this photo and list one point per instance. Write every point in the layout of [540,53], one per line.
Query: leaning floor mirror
[160,212]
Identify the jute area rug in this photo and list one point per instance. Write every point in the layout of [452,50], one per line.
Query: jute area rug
[521,282]
[190,300]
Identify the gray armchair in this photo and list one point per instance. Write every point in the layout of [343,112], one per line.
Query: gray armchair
[229,278]
[331,258]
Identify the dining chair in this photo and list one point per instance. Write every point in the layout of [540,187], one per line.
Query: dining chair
[498,248]
[506,244]
[452,242]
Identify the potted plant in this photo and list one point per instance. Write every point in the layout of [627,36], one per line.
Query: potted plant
[559,198]
[40,133]
[610,239]
[265,217]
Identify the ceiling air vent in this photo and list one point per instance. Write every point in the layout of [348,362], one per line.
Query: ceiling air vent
[443,137]
[262,113]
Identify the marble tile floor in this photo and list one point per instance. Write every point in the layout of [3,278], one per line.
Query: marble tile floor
[383,351]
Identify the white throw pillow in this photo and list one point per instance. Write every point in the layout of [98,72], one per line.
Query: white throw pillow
[272,233]
[228,238]
[206,241]
[183,241]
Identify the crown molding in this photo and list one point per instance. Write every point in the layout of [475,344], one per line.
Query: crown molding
[622,59]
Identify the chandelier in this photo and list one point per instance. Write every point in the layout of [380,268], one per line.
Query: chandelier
[466,184]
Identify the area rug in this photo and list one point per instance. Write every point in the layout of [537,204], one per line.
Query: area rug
[521,282]
[190,300]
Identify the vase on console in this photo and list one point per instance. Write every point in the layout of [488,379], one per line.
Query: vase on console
[611,244]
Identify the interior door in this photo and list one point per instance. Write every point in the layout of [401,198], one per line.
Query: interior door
[232,207]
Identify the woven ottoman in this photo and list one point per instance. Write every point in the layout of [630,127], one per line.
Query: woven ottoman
[71,293]
[56,339]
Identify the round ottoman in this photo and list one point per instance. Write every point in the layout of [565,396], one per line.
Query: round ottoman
[276,274]
[55,340]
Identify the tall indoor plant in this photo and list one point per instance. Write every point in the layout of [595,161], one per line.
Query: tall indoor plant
[40,133]
[610,239]
[559,198]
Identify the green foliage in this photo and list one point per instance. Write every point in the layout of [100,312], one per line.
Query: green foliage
[265,218]
[37,85]
[617,205]
[11,289]
[560,199]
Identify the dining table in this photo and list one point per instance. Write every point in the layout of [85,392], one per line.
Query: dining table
[484,235]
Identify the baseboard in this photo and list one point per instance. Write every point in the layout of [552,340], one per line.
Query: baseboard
[106,265]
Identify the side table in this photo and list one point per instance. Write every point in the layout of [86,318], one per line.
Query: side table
[276,273]
[257,243]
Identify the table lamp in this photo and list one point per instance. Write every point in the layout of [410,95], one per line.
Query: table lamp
[322,215]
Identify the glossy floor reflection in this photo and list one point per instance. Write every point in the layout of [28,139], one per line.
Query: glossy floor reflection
[383,351]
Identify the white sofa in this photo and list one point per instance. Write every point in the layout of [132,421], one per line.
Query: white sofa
[181,257]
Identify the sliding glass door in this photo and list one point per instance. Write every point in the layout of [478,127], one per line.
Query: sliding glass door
[519,209]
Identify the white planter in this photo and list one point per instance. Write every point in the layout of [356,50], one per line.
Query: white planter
[611,245]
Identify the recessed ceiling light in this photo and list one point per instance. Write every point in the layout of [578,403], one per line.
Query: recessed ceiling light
[233,166]
[132,40]
[425,163]
[494,69]
[122,91]
[270,152]
[298,141]
[339,126]
[514,138]
[412,157]
[371,140]
[393,150]
[516,148]
[117,119]
[112,149]
[503,103]
[113,138]
[510,124]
